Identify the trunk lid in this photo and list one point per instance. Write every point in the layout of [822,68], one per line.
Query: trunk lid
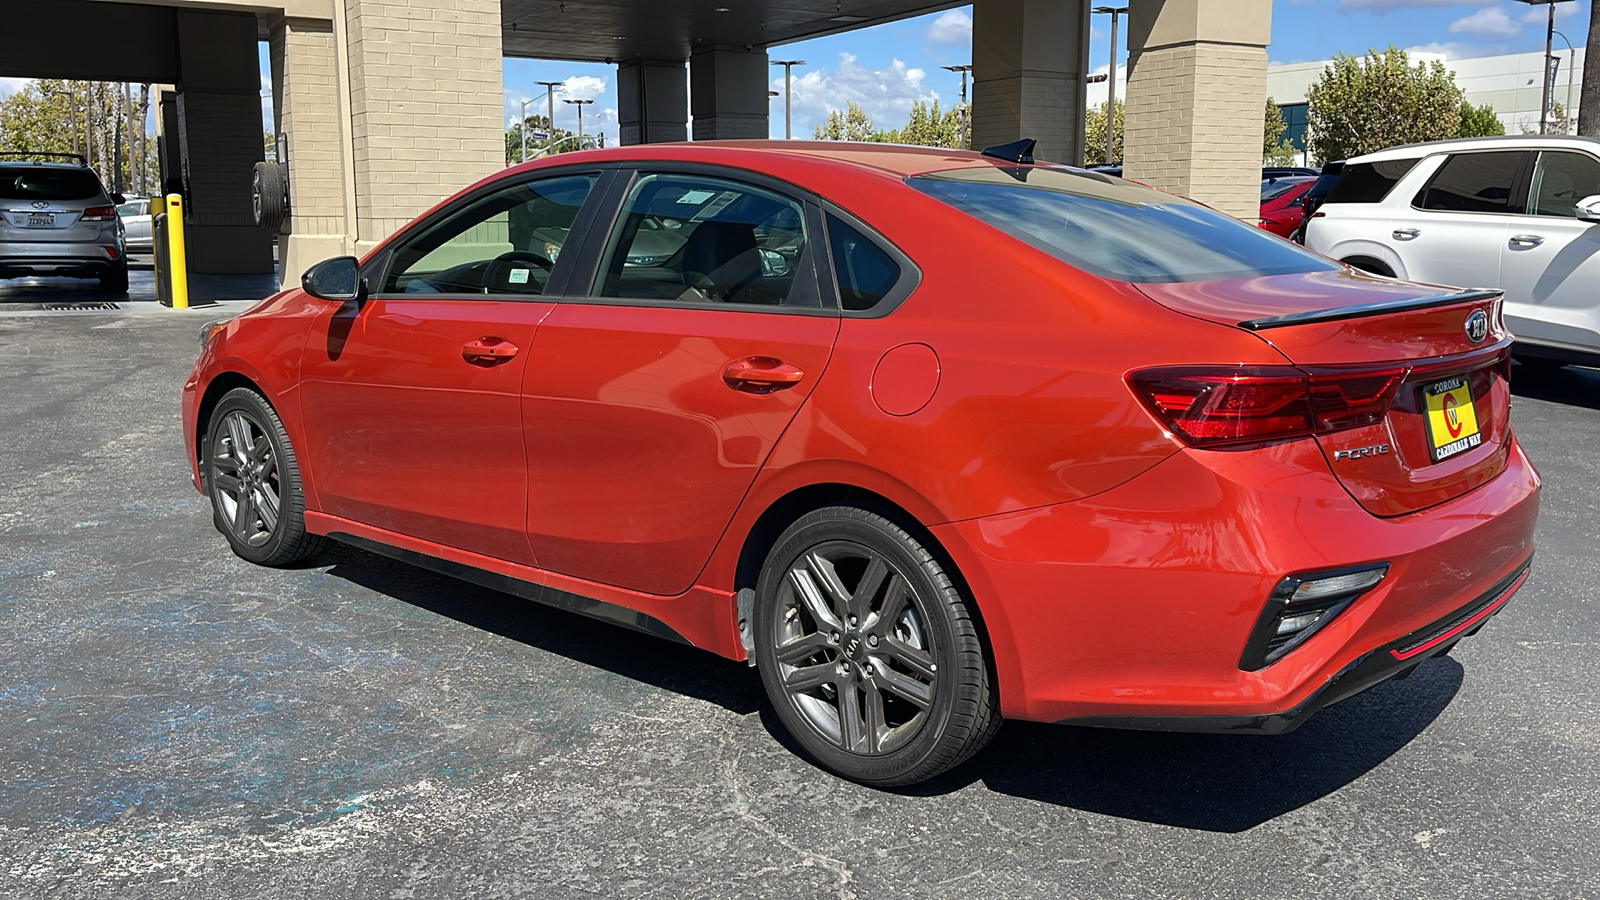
[1447,428]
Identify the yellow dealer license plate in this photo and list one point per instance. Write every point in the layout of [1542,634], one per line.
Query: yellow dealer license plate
[1452,421]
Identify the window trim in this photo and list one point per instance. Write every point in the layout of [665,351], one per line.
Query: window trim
[1519,183]
[1539,155]
[910,272]
[375,271]
[586,270]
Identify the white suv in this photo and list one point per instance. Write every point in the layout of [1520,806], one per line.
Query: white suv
[1519,213]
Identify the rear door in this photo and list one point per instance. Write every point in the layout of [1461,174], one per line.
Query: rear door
[412,397]
[1550,262]
[1458,221]
[650,404]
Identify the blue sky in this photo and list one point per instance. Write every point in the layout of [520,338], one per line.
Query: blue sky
[887,67]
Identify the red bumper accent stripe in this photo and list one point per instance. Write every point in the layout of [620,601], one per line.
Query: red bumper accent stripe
[1485,613]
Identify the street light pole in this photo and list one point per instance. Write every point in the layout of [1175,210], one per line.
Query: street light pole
[1111,81]
[1549,40]
[966,111]
[788,89]
[550,100]
[580,104]
[522,129]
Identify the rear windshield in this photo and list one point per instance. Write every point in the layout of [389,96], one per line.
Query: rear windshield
[47,183]
[1116,229]
[1272,190]
[1369,182]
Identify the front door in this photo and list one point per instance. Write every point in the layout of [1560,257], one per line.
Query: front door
[1550,263]
[650,406]
[412,396]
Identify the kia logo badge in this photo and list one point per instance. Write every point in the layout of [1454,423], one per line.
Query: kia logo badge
[1477,326]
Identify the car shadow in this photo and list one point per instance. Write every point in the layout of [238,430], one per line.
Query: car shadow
[651,660]
[1221,783]
[1569,385]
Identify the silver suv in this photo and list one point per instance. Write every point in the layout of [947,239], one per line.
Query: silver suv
[56,218]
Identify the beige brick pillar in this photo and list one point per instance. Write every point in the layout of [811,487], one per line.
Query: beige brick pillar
[305,88]
[425,101]
[728,93]
[1029,61]
[219,141]
[1197,83]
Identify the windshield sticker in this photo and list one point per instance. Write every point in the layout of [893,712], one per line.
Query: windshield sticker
[695,198]
[715,206]
[519,276]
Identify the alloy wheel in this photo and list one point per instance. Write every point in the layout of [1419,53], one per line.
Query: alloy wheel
[853,650]
[245,479]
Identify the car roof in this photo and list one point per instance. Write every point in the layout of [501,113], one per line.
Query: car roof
[898,159]
[1491,142]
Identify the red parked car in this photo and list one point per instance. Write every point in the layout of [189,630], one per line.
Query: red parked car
[932,437]
[1281,212]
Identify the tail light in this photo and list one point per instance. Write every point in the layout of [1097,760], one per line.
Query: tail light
[1215,406]
[1300,606]
[99,214]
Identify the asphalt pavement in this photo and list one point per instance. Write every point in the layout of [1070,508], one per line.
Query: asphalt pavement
[175,722]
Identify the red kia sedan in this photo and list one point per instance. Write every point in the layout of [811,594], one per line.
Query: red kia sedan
[1281,210]
[932,438]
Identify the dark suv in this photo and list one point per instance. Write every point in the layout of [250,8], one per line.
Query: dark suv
[56,218]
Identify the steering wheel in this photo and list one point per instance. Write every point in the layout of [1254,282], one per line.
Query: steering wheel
[500,267]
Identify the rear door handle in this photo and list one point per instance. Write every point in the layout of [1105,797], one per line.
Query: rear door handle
[1405,234]
[1526,240]
[761,375]
[488,351]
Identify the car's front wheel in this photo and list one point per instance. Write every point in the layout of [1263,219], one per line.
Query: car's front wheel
[253,479]
[869,653]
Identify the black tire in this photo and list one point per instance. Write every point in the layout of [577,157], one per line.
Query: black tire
[115,281]
[267,195]
[908,669]
[256,499]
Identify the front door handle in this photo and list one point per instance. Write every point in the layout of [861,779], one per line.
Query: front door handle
[488,351]
[761,375]
[1526,240]
[1405,234]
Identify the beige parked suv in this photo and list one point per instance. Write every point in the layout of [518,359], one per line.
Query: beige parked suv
[1519,213]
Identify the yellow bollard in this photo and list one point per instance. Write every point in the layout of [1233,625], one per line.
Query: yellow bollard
[175,254]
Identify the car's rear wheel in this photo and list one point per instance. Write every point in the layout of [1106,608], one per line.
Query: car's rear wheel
[870,654]
[253,480]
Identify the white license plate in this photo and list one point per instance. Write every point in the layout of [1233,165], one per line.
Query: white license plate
[41,220]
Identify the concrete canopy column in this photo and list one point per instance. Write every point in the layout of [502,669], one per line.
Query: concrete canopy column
[426,104]
[1029,61]
[219,138]
[653,101]
[728,94]
[1197,83]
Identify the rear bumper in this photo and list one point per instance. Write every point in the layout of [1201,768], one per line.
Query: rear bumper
[1397,659]
[66,260]
[1137,603]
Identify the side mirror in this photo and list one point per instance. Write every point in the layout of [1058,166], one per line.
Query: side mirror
[1588,209]
[118,199]
[337,279]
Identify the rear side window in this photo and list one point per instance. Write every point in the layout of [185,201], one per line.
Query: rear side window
[865,273]
[1560,180]
[1369,182]
[1474,182]
[1117,229]
[47,183]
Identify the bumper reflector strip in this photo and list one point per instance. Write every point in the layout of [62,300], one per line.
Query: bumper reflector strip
[1466,620]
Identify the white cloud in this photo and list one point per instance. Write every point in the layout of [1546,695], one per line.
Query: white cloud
[886,95]
[1489,22]
[581,87]
[1539,15]
[1448,49]
[953,27]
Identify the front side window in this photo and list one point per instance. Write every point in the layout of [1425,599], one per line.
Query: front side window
[505,243]
[1117,229]
[1560,180]
[1474,182]
[696,239]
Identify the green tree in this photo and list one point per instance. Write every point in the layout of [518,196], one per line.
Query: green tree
[1478,121]
[1364,104]
[928,127]
[1276,150]
[850,124]
[39,119]
[538,139]
[1094,135]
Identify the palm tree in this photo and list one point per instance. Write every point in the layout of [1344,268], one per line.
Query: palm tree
[1589,103]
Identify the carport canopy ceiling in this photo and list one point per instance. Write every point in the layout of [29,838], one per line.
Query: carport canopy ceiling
[614,30]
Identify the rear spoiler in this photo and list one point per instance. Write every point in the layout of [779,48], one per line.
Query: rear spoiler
[1362,310]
